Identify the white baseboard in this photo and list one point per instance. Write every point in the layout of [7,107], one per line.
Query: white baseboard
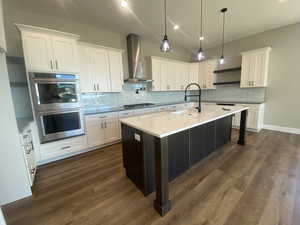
[282,129]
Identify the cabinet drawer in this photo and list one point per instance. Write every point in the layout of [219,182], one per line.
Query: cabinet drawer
[63,147]
[126,114]
[144,111]
[102,116]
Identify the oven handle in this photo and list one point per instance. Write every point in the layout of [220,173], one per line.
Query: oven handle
[55,81]
[47,113]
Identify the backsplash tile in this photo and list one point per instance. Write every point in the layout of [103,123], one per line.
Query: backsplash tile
[129,96]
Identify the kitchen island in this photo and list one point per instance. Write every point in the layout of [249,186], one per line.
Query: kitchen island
[159,147]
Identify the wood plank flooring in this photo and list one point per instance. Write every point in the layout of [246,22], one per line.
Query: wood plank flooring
[258,184]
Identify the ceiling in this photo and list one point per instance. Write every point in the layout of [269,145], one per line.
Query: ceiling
[145,17]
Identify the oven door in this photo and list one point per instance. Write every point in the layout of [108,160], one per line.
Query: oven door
[60,125]
[55,95]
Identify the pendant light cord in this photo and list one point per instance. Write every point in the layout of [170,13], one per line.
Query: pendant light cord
[201,26]
[223,38]
[165,17]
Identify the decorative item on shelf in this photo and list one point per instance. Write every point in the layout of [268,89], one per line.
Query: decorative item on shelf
[165,44]
[200,54]
[222,59]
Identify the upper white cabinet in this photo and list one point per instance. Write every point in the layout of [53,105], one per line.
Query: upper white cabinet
[156,70]
[255,66]
[49,50]
[2,32]
[194,74]
[101,69]
[116,70]
[206,74]
[169,75]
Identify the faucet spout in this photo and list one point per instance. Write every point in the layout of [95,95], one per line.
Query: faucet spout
[199,94]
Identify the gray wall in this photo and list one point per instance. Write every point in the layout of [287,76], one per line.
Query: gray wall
[13,177]
[283,92]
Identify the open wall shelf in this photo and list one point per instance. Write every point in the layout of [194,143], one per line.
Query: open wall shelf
[226,83]
[228,70]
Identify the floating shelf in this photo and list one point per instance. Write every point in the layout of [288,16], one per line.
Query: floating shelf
[228,70]
[229,82]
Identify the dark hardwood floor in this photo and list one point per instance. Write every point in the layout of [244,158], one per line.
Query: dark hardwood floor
[258,184]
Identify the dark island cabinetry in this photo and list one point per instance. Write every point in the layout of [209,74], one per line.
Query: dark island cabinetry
[185,149]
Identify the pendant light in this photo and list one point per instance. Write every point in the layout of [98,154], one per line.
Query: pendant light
[200,53]
[222,60]
[165,44]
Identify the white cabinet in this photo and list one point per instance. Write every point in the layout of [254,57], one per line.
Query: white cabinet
[182,76]
[169,75]
[102,129]
[101,69]
[156,70]
[116,71]
[254,118]
[194,74]
[255,66]
[61,148]
[64,54]
[206,74]
[49,50]
[2,32]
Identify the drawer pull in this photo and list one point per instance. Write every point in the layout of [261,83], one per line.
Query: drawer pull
[66,147]
[102,117]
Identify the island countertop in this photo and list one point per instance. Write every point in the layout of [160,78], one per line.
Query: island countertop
[163,124]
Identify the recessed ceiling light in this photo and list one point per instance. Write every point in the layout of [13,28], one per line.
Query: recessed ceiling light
[282,1]
[176,27]
[201,38]
[124,3]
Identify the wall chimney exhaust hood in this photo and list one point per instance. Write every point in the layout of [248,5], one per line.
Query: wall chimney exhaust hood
[135,66]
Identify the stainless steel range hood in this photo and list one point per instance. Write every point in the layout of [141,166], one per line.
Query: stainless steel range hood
[135,66]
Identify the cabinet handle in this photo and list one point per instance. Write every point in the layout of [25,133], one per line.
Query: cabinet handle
[56,63]
[66,147]
[105,124]
[101,125]
[102,117]
[94,87]
[51,64]
[98,87]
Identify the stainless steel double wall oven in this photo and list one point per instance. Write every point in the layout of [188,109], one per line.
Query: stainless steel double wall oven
[56,101]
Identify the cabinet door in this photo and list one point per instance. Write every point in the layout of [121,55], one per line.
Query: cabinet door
[64,54]
[112,130]
[210,76]
[182,76]
[37,52]
[95,131]
[202,75]
[194,74]
[87,82]
[248,69]
[156,74]
[116,71]
[101,70]
[259,79]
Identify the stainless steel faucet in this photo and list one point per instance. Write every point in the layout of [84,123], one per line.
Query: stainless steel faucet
[199,95]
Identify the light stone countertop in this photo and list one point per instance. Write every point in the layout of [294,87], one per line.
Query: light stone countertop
[163,124]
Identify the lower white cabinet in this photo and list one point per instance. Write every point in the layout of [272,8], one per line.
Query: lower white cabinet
[254,119]
[102,129]
[63,147]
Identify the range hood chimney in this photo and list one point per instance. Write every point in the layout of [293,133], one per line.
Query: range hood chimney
[134,59]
